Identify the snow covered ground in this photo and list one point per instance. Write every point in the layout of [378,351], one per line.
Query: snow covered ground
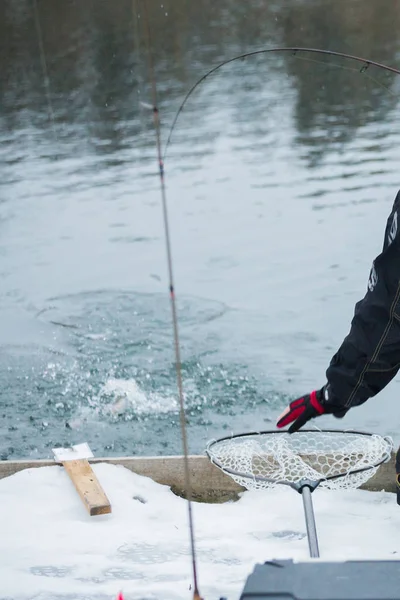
[50,548]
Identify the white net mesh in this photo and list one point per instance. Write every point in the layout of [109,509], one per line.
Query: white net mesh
[314,455]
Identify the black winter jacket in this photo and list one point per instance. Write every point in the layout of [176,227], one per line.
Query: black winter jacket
[369,356]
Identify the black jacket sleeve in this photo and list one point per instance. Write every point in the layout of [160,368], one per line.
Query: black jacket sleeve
[369,356]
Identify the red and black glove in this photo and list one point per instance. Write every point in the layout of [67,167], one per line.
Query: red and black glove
[308,407]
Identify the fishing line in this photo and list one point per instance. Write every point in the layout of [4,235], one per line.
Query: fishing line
[362,71]
[157,126]
[294,50]
[44,68]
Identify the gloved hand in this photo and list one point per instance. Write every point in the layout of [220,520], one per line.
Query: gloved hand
[308,407]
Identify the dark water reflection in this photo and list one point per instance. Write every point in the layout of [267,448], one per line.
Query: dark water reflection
[281,172]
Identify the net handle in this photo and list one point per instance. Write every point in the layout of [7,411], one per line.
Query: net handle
[300,484]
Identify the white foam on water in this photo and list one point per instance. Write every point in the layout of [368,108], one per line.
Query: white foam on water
[122,398]
[126,394]
[50,545]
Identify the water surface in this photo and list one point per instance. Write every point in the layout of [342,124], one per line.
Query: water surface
[281,172]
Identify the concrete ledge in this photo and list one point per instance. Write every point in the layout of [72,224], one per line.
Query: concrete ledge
[209,484]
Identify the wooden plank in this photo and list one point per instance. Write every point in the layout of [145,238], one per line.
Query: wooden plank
[209,484]
[88,486]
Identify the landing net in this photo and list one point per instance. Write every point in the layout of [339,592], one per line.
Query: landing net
[336,459]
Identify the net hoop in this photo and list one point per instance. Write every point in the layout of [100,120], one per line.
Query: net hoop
[331,467]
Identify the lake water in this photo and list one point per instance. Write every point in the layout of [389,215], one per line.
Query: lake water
[281,172]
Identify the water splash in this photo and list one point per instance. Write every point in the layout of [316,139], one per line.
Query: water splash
[123,395]
[113,383]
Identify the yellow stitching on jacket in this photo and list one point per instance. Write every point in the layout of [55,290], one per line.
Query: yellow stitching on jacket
[397,366]
[377,349]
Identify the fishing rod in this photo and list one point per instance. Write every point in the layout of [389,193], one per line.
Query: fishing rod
[45,71]
[157,127]
[294,50]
